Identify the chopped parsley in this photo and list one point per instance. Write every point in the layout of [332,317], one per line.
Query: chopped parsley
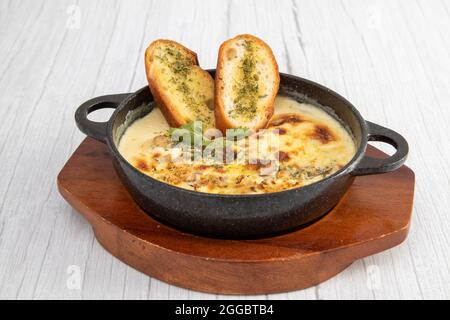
[181,66]
[247,87]
[307,173]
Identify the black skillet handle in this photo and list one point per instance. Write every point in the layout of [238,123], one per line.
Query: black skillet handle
[96,130]
[369,165]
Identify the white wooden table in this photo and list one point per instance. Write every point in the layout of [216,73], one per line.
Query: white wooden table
[390,58]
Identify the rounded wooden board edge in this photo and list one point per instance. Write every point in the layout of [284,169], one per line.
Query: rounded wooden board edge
[160,260]
[224,276]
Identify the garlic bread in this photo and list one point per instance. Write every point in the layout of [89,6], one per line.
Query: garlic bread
[184,91]
[246,83]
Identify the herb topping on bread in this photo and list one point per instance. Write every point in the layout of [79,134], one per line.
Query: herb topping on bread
[246,83]
[184,91]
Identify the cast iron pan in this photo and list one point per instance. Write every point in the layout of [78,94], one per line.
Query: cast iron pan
[242,216]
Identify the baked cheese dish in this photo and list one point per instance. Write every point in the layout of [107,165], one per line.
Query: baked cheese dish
[301,144]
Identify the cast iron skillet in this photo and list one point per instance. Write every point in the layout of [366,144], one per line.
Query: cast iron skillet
[241,216]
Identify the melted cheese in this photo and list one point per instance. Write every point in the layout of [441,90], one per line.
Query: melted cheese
[301,145]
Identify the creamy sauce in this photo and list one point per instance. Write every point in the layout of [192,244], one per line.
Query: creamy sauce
[141,131]
[311,145]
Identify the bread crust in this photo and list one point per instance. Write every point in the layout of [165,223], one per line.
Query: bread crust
[223,122]
[169,110]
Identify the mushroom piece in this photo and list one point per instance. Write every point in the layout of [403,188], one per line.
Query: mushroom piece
[269,169]
[160,141]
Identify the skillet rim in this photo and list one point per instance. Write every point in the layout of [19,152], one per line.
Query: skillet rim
[347,169]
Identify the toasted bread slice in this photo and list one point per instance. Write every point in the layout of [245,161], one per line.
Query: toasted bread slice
[246,83]
[184,91]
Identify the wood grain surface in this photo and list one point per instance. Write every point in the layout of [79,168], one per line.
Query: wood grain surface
[390,58]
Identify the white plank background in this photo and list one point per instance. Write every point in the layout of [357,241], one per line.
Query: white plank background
[390,58]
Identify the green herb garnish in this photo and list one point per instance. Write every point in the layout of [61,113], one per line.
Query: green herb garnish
[194,131]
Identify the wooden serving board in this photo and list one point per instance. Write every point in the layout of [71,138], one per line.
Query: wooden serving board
[373,216]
